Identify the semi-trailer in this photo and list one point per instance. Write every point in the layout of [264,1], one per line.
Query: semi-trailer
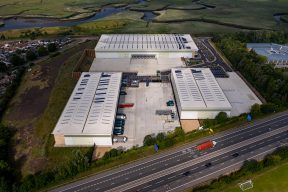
[206,145]
[125,105]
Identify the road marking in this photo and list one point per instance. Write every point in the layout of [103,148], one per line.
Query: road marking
[259,124]
[219,170]
[159,182]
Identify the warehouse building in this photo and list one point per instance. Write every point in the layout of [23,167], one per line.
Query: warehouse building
[276,54]
[198,94]
[142,53]
[88,117]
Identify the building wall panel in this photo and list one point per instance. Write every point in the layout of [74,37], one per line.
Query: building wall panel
[88,141]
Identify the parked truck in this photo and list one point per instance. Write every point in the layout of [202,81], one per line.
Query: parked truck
[125,105]
[206,145]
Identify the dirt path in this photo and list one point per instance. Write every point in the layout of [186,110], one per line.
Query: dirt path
[29,104]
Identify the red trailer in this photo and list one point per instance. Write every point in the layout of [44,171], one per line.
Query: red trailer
[124,105]
[205,145]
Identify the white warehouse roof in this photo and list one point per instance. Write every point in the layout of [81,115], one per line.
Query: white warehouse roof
[198,89]
[92,105]
[144,42]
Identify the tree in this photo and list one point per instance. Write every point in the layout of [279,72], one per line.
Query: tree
[52,47]
[255,110]
[160,137]
[16,60]
[268,108]
[2,37]
[42,51]
[221,117]
[3,67]
[149,140]
[31,55]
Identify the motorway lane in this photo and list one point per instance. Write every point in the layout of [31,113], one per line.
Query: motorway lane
[194,161]
[173,159]
[172,180]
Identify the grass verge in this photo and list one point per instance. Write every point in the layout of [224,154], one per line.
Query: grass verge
[272,179]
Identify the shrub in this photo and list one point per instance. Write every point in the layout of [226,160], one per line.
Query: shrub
[160,137]
[31,55]
[16,60]
[149,140]
[3,67]
[255,110]
[268,108]
[52,47]
[42,51]
[221,117]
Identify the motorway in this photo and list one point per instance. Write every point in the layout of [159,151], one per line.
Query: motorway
[184,167]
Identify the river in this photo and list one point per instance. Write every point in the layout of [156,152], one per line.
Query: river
[26,22]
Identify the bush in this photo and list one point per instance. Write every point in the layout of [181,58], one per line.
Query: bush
[221,117]
[112,153]
[52,47]
[268,108]
[255,110]
[160,137]
[31,55]
[3,67]
[42,51]
[149,140]
[16,60]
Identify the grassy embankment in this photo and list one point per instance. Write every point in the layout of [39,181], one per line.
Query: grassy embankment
[34,121]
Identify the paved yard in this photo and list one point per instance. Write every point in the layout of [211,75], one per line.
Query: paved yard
[141,118]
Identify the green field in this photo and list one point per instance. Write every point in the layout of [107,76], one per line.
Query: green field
[270,180]
[197,17]
[52,8]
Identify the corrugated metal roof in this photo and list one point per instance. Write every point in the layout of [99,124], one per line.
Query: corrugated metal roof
[198,89]
[92,105]
[142,42]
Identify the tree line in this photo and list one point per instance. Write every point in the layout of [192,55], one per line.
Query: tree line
[272,83]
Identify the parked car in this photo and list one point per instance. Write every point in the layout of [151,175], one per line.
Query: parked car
[172,115]
[119,124]
[120,114]
[118,131]
[120,139]
[123,93]
[120,117]
[170,103]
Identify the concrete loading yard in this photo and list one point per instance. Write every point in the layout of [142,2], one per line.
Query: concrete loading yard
[141,118]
